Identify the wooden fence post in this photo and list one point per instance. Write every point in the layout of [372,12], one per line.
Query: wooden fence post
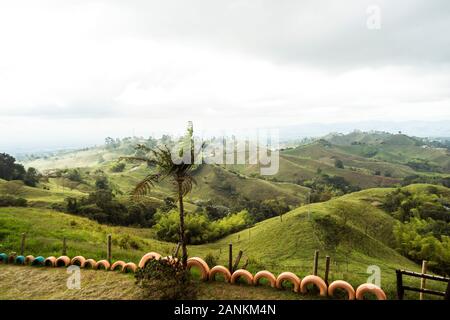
[316,262]
[108,249]
[327,268]
[400,290]
[422,280]
[64,250]
[22,245]
[177,249]
[238,259]
[230,257]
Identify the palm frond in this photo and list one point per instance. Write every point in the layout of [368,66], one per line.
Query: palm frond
[144,186]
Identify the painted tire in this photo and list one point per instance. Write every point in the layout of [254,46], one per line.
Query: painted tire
[20,260]
[317,281]
[291,277]
[50,261]
[266,275]
[12,258]
[90,264]
[147,257]
[129,267]
[118,265]
[78,261]
[103,264]
[201,264]
[370,288]
[38,261]
[29,259]
[242,273]
[3,258]
[341,284]
[63,261]
[222,270]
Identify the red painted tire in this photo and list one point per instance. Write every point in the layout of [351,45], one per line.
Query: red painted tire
[241,273]
[118,265]
[370,288]
[90,264]
[129,267]
[291,277]
[78,261]
[103,264]
[341,284]
[266,275]
[201,264]
[222,270]
[147,257]
[50,261]
[317,281]
[29,259]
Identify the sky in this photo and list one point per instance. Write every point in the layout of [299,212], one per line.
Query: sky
[75,72]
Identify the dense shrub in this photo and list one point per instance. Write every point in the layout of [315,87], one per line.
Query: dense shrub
[199,229]
[166,280]
[8,201]
[118,167]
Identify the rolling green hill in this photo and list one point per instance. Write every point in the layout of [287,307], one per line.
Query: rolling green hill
[271,244]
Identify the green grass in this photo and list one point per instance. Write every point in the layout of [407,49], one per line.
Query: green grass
[24,282]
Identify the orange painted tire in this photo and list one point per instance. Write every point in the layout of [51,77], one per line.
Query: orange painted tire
[147,257]
[118,265]
[370,288]
[267,275]
[344,285]
[29,259]
[90,264]
[103,264]
[62,261]
[78,261]
[129,267]
[220,269]
[50,261]
[317,281]
[288,276]
[201,264]
[242,273]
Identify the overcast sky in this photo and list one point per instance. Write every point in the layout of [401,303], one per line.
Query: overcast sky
[73,72]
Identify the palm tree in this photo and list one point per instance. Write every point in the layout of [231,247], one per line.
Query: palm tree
[179,173]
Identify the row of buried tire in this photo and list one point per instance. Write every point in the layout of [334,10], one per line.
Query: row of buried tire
[299,285]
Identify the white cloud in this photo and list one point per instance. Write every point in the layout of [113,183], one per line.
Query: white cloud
[114,67]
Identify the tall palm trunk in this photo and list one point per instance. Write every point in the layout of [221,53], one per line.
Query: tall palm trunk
[182,233]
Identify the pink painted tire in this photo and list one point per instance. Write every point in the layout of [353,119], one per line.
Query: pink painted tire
[147,257]
[317,281]
[118,266]
[370,288]
[50,261]
[129,267]
[288,276]
[222,270]
[344,285]
[241,273]
[103,264]
[78,261]
[90,264]
[201,264]
[266,275]
[29,259]
[62,261]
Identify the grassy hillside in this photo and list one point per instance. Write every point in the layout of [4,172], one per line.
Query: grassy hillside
[272,244]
